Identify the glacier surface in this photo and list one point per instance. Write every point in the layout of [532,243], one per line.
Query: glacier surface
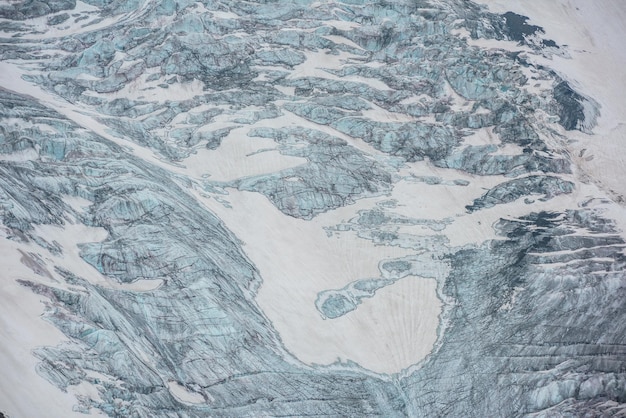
[388,127]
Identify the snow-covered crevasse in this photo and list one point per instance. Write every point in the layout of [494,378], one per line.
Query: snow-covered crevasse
[384,107]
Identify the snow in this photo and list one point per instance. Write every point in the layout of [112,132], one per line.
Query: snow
[377,113]
[239,156]
[399,324]
[11,78]
[290,288]
[317,62]
[136,90]
[22,330]
[182,394]
[594,35]
[398,327]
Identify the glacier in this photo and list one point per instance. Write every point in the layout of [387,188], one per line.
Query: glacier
[298,208]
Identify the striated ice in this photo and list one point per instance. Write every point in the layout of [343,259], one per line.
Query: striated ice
[335,175]
[506,192]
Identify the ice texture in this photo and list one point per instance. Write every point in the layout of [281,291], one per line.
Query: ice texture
[523,331]
[139,104]
[335,175]
[201,328]
[509,191]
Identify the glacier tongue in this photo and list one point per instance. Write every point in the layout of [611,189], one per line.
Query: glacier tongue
[307,208]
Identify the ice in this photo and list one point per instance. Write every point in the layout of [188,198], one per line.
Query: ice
[312,208]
